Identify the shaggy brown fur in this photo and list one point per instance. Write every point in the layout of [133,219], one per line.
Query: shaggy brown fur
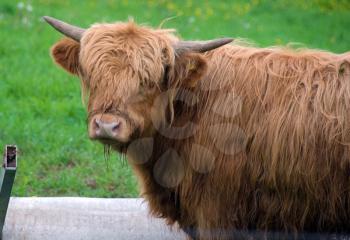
[271,141]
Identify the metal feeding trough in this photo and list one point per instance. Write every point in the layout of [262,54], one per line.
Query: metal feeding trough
[7,176]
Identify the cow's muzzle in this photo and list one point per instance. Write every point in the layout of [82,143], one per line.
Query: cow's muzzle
[108,127]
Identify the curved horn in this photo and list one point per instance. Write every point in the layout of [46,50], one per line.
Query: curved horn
[70,31]
[200,46]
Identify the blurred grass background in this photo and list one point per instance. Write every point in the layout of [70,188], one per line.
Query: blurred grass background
[40,105]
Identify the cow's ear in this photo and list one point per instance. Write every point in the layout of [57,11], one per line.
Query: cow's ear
[66,54]
[188,69]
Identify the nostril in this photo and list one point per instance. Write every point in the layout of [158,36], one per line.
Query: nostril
[97,123]
[115,126]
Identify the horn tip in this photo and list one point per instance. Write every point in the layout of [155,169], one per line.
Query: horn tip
[49,20]
[46,18]
[227,40]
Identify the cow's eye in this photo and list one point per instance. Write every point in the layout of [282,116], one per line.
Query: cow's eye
[147,86]
[151,86]
[165,81]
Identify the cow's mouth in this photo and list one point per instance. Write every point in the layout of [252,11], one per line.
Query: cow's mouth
[116,145]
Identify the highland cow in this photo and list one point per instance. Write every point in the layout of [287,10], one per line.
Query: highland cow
[222,137]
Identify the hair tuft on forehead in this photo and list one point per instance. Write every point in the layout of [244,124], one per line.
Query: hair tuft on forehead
[117,58]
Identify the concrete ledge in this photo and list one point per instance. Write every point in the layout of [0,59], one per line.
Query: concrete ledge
[83,218]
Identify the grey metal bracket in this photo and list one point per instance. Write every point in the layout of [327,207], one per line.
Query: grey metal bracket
[7,176]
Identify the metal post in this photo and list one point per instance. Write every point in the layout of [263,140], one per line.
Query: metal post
[7,176]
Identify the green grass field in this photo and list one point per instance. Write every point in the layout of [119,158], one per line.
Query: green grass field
[40,105]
